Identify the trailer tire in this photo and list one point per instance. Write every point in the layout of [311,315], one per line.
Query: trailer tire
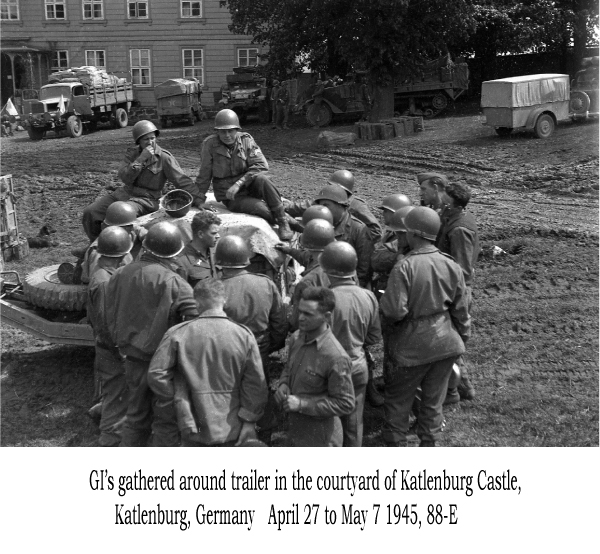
[544,126]
[42,288]
[439,102]
[35,134]
[74,126]
[121,118]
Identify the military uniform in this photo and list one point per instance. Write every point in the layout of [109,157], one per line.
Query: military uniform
[108,362]
[282,101]
[383,259]
[319,373]
[355,324]
[354,232]
[244,162]
[210,368]
[312,276]
[147,297]
[425,312]
[194,266]
[143,186]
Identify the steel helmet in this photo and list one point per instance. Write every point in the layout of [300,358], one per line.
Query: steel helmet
[423,222]
[394,202]
[317,234]
[120,213]
[397,219]
[163,240]
[343,178]
[227,119]
[316,212]
[339,259]
[177,202]
[232,251]
[335,193]
[275,82]
[114,242]
[142,128]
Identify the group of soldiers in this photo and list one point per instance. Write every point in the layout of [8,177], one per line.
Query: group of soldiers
[184,332]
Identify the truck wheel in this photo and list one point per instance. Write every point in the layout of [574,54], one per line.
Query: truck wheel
[544,126]
[504,131]
[35,134]
[43,288]
[74,126]
[319,116]
[579,103]
[439,102]
[121,118]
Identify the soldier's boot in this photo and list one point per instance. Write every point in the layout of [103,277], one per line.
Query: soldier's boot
[284,231]
[465,388]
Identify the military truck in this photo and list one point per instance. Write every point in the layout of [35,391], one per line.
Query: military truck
[246,94]
[427,91]
[76,99]
[585,97]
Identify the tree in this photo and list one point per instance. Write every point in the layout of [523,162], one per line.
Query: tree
[336,35]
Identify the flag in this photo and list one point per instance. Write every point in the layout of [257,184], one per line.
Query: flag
[61,105]
[9,108]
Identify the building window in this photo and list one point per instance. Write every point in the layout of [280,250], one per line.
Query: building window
[55,9]
[96,58]
[60,60]
[247,56]
[191,9]
[9,9]
[140,67]
[93,9]
[137,10]
[193,64]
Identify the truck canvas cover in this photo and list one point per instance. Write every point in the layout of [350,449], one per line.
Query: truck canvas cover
[525,90]
[175,87]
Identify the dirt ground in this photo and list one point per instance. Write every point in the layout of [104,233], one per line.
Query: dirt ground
[533,357]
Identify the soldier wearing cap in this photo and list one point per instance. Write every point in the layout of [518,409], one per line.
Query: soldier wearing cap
[210,369]
[144,172]
[197,260]
[113,247]
[425,311]
[146,298]
[430,186]
[356,206]
[237,169]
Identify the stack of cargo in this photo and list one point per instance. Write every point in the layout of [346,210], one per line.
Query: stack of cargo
[88,75]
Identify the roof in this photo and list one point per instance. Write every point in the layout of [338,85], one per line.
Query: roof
[528,78]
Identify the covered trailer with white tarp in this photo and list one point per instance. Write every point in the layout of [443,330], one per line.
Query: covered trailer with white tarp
[179,100]
[532,102]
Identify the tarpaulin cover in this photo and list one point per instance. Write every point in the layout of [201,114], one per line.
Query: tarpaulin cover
[525,90]
[175,87]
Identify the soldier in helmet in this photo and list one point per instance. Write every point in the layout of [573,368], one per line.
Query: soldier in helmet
[114,244]
[355,324]
[144,172]
[210,369]
[425,309]
[236,167]
[119,214]
[393,243]
[147,297]
[197,260]
[356,206]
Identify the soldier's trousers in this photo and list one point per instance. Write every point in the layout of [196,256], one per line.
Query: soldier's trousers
[353,422]
[399,396]
[305,430]
[260,198]
[145,414]
[115,396]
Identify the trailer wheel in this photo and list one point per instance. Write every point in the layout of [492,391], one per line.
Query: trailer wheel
[121,118]
[579,103]
[439,101]
[74,126]
[319,115]
[43,288]
[544,126]
[504,131]
[35,134]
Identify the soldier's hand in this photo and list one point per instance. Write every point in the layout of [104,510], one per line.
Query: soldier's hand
[146,154]
[283,247]
[282,393]
[232,191]
[247,433]
[291,403]
[286,203]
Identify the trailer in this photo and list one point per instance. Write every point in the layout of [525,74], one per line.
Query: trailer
[179,100]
